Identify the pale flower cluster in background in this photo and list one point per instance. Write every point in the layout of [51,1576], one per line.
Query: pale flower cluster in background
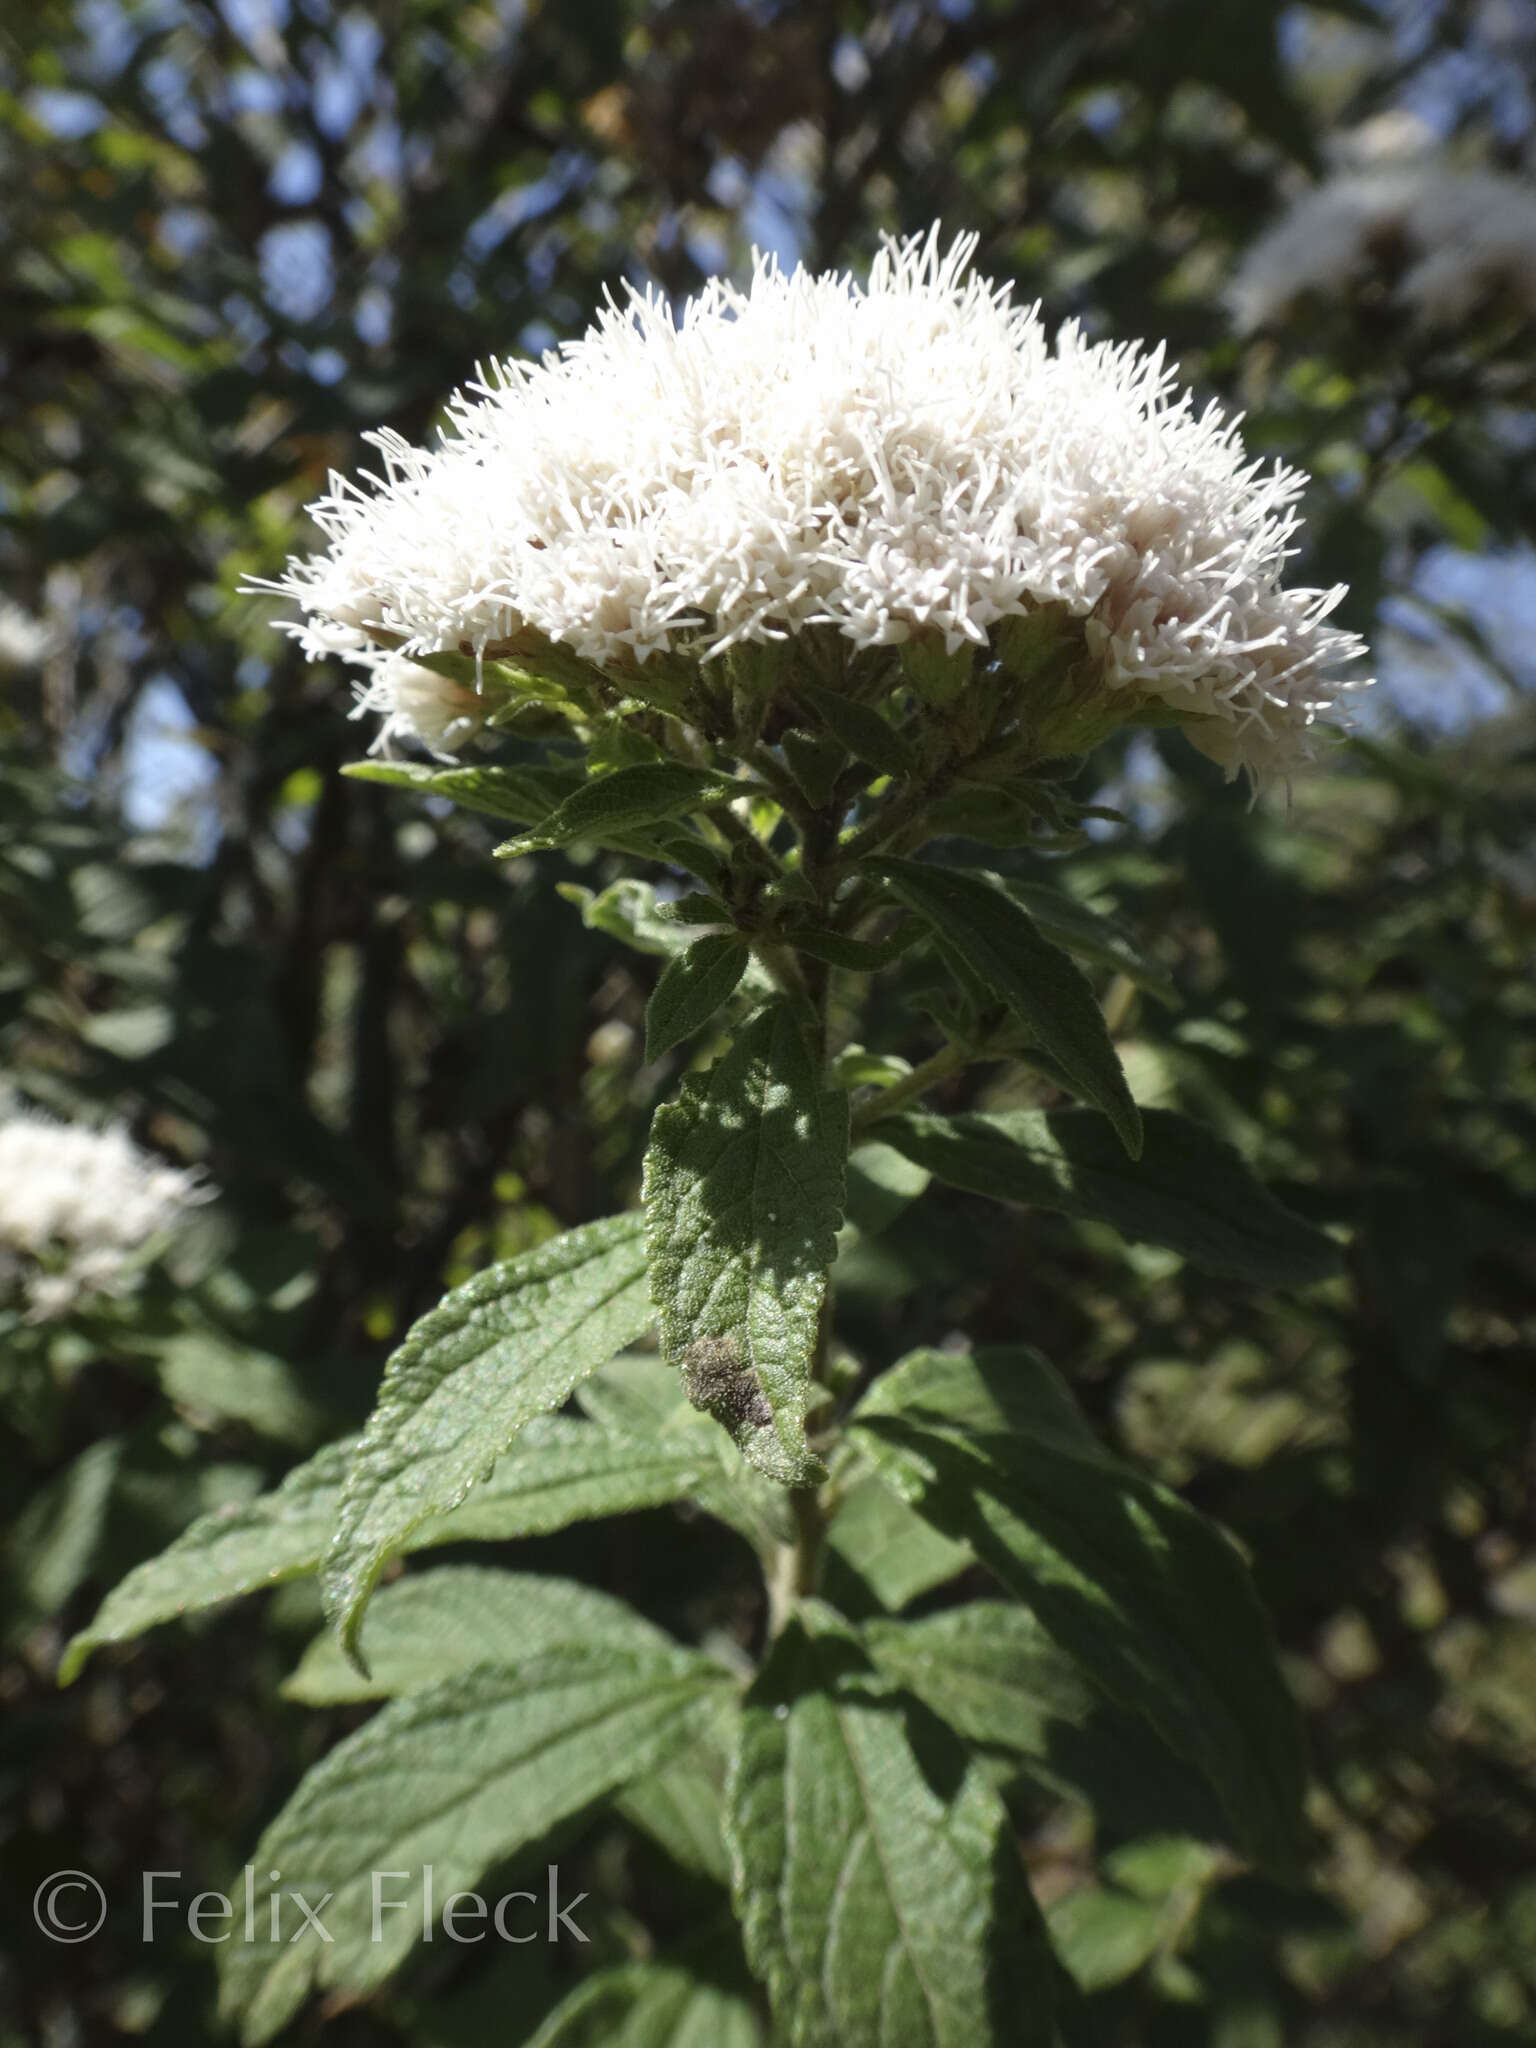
[1441,244]
[25,642]
[913,456]
[77,1206]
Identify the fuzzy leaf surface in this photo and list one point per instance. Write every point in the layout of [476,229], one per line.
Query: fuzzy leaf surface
[559,1470]
[523,795]
[693,986]
[508,1345]
[989,938]
[429,1625]
[611,807]
[457,1777]
[743,1197]
[1189,1190]
[876,1878]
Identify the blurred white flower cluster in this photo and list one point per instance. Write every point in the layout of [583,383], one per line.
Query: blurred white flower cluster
[910,457]
[76,1207]
[25,642]
[1441,244]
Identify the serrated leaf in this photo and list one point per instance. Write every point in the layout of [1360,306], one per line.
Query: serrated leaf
[876,1878]
[522,794]
[743,1197]
[557,1472]
[1145,1594]
[428,1625]
[692,988]
[648,2005]
[611,807]
[988,937]
[1189,1190]
[509,1345]
[456,1778]
[861,729]
[237,1549]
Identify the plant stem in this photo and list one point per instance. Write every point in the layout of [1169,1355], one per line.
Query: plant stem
[796,1566]
[949,1059]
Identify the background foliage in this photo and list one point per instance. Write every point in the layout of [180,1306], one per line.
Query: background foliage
[235,237]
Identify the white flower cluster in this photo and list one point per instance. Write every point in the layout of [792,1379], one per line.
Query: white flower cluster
[25,642]
[76,1205]
[1446,243]
[912,456]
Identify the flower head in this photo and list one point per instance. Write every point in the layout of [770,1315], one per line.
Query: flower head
[1440,243]
[77,1205]
[908,459]
[25,642]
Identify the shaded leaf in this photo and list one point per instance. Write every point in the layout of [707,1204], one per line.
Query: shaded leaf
[1189,1190]
[988,938]
[861,729]
[1148,1596]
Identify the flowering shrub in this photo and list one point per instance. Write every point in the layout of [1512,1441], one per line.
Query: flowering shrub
[774,601]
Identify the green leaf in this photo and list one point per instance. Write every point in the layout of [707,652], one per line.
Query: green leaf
[743,1197]
[815,760]
[861,730]
[862,956]
[617,805]
[1148,1596]
[560,1470]
[1189,1190]
[1002,1388]
[988,937]
[895,1553]
[522,794]
[509,1345]
[876,1879]
[430,1625]
[1088,933]
[679,1807]
[1105,1933]
[453,1779]
[208,1374]
[692,988]
[998,1678]
[557,1472]
[233,1550]
[648,2005]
